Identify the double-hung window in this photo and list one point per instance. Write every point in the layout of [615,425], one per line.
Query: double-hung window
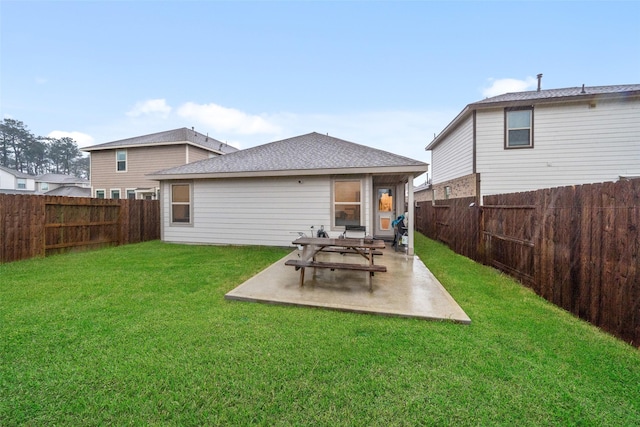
[347,202]
[21,183]
[121,160]
[518,126]
[115,194]
[181,203]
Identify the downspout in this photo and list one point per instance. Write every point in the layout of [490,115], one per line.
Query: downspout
[161,199]
[480,218]
[93,194]
[474,166]
[411,209]
[473,137]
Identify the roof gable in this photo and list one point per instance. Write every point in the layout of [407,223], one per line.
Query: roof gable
[308,152]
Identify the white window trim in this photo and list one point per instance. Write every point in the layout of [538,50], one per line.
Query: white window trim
[190,204]
[111,190]
[126,160]
[507,128]
[333,201]
[104,192]
[127,190]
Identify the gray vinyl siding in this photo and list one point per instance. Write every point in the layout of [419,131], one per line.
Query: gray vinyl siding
[454,158]
[269,211]
[574,143]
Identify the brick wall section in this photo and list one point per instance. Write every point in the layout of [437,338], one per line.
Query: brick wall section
[423,196]
[465,186]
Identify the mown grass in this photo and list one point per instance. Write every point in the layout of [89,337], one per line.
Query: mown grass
[142,335]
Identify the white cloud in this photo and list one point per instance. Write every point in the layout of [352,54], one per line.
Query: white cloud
[402,132]
[223,119]
[82,139]
[406,133]
[502,86]
[386,130]
[150,107]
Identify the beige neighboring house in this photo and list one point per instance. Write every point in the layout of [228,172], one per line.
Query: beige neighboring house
[119,168]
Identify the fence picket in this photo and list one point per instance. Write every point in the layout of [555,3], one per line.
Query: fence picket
[38,225]
[577,247]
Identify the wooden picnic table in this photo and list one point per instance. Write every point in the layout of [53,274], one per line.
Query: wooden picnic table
[311,246]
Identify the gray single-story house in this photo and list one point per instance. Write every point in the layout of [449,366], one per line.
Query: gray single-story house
[267,194]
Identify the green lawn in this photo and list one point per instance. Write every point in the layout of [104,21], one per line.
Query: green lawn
[142,335]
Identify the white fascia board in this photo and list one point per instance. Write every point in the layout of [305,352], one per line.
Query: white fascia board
[150,144]
[450,127]
[415,170]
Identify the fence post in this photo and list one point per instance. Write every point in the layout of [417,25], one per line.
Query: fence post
[3,219]
[481,250]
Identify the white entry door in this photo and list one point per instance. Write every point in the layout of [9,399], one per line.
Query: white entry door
[384,211]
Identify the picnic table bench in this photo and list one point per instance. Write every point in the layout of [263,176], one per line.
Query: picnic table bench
[367,248]
[344,251]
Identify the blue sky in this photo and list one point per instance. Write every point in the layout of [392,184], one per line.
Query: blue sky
[384,74]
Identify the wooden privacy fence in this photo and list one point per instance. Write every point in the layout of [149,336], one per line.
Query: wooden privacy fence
[575,246]
[454,222]
[36,226]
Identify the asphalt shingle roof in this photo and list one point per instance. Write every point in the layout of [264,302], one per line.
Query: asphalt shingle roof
[70,191]
[559,93]
[16,173]
[167,137]
[304,152]
[56,178]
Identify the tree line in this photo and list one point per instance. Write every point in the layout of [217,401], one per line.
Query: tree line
[23,151]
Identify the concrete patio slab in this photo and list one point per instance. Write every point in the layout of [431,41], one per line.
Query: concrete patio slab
[407,289]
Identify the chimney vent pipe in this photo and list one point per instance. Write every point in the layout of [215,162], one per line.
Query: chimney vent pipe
[539,81]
